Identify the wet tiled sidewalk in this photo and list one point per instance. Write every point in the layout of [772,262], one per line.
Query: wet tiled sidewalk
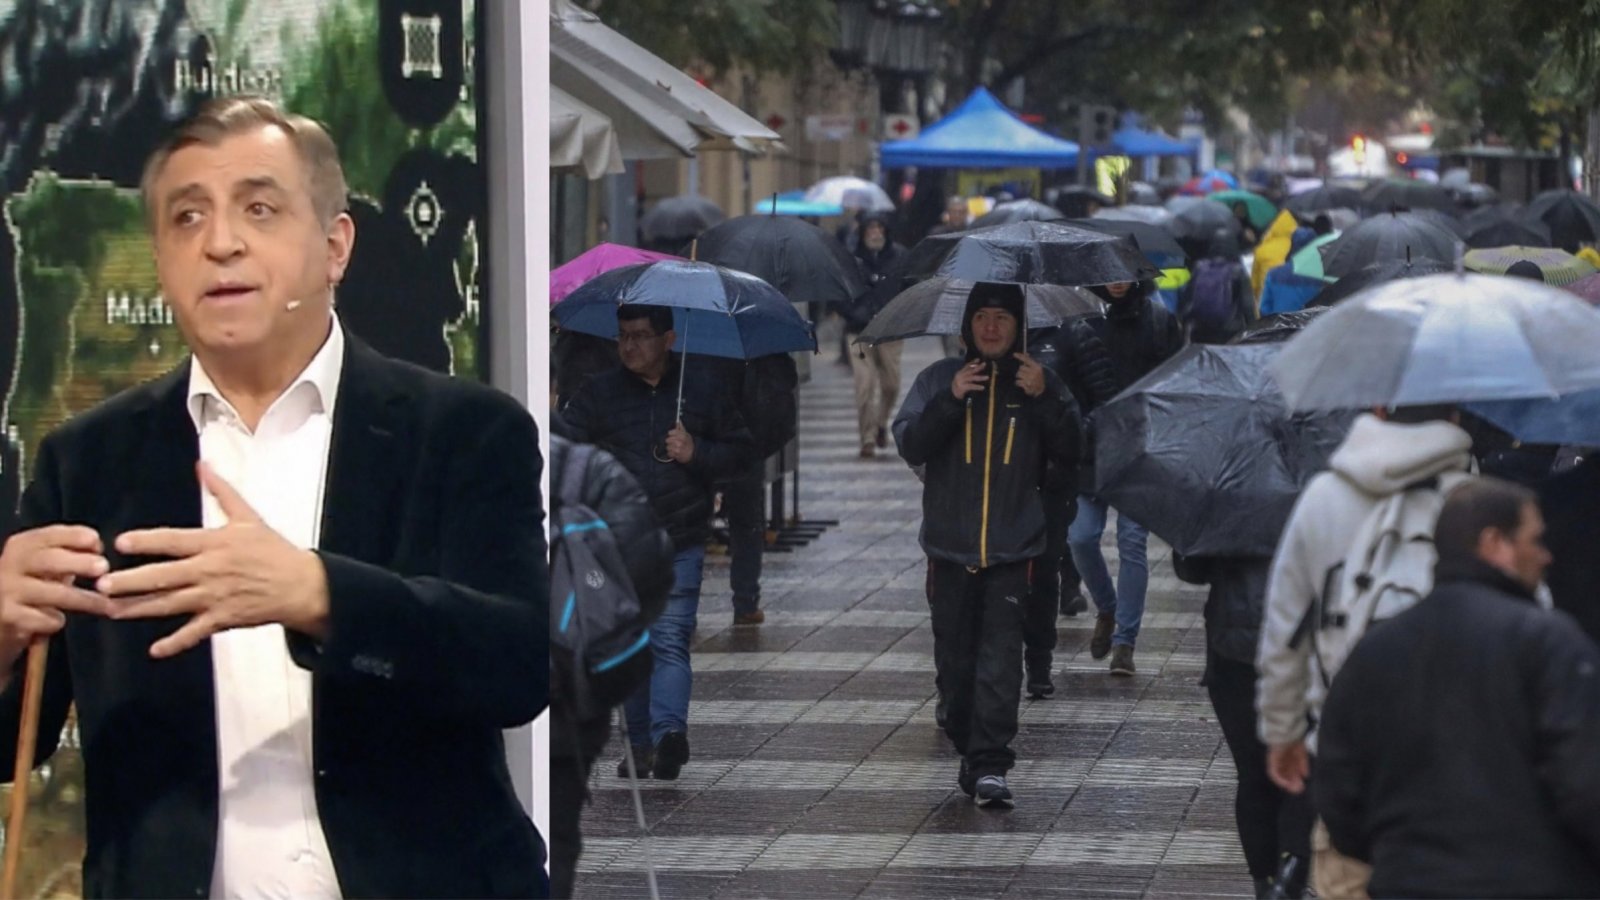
[817,770]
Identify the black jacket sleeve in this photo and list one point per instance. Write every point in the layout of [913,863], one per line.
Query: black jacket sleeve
[1090,372]
[727,447]
[1339,784]
[1563,668]
[1059,423]
[929,416]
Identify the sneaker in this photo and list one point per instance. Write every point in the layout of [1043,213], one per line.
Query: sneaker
[883,437]
[1100,644]
[672,751]
[1122,660]
[1075,604]
[643,757]
[964,779]
[1039,684]
[991,791]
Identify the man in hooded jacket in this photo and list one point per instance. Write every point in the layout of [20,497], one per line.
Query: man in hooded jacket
[986,426]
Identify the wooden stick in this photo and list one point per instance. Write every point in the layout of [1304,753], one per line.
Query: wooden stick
[27,743]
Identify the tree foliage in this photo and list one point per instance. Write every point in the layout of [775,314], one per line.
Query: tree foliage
[759,35]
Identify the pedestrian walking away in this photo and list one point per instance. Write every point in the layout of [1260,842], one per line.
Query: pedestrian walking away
[875,367]
[985,426]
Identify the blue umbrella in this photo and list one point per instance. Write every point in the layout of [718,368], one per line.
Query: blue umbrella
[793,203]
[721,311]
[1573,419]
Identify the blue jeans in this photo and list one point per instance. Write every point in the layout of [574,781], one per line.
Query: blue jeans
[662,704]
[1125,599]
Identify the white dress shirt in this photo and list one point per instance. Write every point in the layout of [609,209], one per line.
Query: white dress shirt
[269,836]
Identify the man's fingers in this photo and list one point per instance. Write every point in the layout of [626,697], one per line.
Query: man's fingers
[37,620]
[177,542]
[49,595]
[150,579]
[70,537]
[158,604]
[60,562]
[193,632]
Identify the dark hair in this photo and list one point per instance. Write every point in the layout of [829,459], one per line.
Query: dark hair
[660,316]
[1523,268]
[1478,504]
[1418,415]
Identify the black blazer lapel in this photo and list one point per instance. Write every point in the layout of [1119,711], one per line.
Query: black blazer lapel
[372,425]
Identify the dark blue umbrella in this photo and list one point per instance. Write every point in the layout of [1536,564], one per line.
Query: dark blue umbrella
[1573,419]
[715,311]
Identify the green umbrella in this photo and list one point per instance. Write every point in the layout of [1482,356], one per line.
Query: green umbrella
[1559,267]
[1307,260]
[1258,208]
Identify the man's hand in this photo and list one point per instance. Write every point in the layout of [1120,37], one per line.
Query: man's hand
[1288,766]
[237,576]
[969,378]
[680,444]
[37,568]
[1030,378]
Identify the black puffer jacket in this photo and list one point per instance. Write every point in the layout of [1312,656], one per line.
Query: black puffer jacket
[986,457]
[618,412]
[1456,752]
[1235,602]
[765,390]
[614,494]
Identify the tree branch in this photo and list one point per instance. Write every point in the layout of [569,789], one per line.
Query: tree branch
[1044,49]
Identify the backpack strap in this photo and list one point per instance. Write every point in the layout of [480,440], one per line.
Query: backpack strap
[573,470]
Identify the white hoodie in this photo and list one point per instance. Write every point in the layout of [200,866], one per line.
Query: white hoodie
[1376,460]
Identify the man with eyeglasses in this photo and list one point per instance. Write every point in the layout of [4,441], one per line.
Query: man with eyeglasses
[632,412]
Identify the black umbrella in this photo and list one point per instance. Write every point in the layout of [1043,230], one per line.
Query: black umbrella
[1474,195]
[1506,233]
[1155,241]
[1079,192]
[679,219]
[1448,221]
[1322,199]
[1201,219]
[936,306]
[1573,219]
[1406,194]
[1142,193]
[1031,253]
[799,259]
[1018,211]
[1203,452]
[1489,215]
[1276,329]
[1377,273]
[1392,236]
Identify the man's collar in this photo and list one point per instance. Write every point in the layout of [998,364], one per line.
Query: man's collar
[1477,570]
[322,374]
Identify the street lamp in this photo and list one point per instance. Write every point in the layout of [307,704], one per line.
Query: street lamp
[854,21]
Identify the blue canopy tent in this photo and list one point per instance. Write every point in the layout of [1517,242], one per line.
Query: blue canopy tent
[981,134]
[1136,142]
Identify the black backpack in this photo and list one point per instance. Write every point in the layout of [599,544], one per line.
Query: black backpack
[599,634]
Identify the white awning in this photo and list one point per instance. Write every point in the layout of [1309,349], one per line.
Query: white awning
[657,110]
[582,138]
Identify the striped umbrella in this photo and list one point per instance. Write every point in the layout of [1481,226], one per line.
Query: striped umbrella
[1560,268]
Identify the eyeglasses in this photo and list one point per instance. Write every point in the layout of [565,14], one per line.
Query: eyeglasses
[635,337]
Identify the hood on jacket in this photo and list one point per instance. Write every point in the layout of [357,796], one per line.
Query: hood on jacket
[1382,457]
[1002,296]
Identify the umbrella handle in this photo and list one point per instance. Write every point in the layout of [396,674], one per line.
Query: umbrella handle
[27,742]
[684,365]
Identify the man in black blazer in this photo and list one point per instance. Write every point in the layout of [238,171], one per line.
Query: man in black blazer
[295,589]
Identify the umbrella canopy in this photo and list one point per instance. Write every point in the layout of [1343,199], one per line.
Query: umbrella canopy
[1153,215]
[1405,194]
[1573,219]
[1378,273]
[1474,195]
[1258,208]
[1155,242]
[1018,211]
[1199,221]
[1278,328]
[597,260]
[1143,193]
[680,218]
[1084,193]
[1573,419]
[1401,236]
[1443,339]
[1307,261]
[1031,253]
[1506,232]
[1448,221]
[1209,183]
[1322,199]
[935,306]
[849,193]
[1560,268]
[793,203]
[801,260]
[715,311]
[1203,452]
[1587,288]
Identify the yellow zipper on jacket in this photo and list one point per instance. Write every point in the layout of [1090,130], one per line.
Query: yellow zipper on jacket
[988,456]
[1011,432]
[969,430]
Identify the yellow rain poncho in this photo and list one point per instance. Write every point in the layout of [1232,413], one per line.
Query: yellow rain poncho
[1273,250]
